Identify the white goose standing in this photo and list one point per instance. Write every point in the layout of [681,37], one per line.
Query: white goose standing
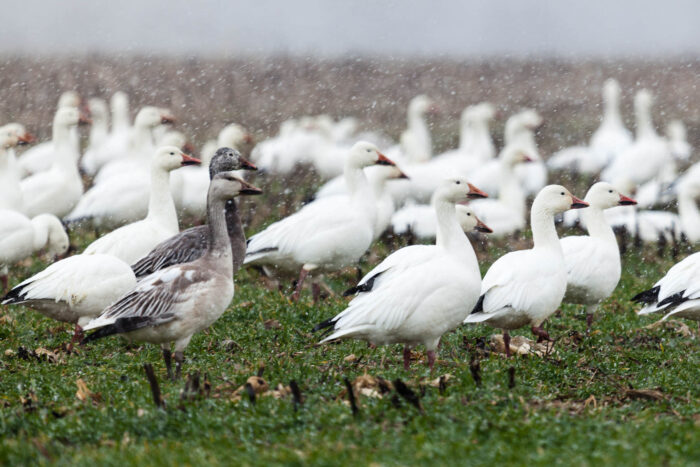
[131,242]
[173,304]
[419,292]
[526,287]
[57,190]
[329,233]
[593,261]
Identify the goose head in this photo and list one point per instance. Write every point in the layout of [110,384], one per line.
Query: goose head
[643,100]
[513,154]
[234,136]
[603,195]
[98,109]
[555,199]
[226,185]
[49,232]
[151,117]
[69,99]
[18,130]
[483,112]
[173,138]
[8,140]
[171,157]
[421,105]
[227,159]
[363,154]
[527,120]
[67,117]
[611,90]
[458,190]
[119,102]
[468,221]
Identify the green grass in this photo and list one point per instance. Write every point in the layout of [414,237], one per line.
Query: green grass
[571,407]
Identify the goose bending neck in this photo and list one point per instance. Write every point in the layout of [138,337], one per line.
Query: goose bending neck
[544,234]
[161,207]
[509,190]
[43,225]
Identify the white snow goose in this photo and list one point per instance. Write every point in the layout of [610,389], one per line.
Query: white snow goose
[41,157]
[416,144]
[133,241]
[607,141]
[677,294]
[593,262]
[57,190]
[75,289]
[327,234]
[506,214]
[116,144]
[420,221]
[419,292]
[173,304]
[526,287]
[20,237]
[192,243]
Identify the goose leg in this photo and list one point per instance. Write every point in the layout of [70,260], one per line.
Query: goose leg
[315,291]
[300,283]
[179,359]
[431,359]
[406,357]
[77,337]
[506,343]
[5,283]
[590,315]
[541,334]
[167,358]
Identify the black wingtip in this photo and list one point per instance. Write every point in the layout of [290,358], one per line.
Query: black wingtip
[673,300]
[479,305]
[648,296]
[365,286]
[13,296]
[325,324]
[120,326]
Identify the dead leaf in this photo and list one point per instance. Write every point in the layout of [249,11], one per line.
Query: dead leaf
[83,393]
[436,382]
[369,386]
[45,354]
[272,324]
[521,345]
[350,358]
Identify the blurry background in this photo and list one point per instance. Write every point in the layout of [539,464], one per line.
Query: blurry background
[258,62]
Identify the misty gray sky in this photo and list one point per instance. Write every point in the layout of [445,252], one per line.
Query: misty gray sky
[465,28]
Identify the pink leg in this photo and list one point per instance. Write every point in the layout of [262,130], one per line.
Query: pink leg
[431,359]
[5,283]
[77,337]
[315,291]
[541,334]
[406,358]
[506,343]
[300,283]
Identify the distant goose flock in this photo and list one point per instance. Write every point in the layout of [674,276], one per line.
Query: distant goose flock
[146,280]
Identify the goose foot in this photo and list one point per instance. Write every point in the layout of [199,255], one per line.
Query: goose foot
[506,343]
[406,358]
[541,334]
[431,360]
[179,359]
[167,358]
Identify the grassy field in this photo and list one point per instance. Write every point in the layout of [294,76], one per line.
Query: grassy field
[623,395]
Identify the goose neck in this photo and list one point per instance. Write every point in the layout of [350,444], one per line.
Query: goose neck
[219,242]
[509,191]
[236,235]
[41,232]
[544,234]
[597,226]
[645,125]
[161,208]
[611,115]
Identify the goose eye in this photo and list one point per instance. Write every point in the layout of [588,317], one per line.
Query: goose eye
[458,182]
[609,191]
[172,153]
[469,214]
[369,150]
[562,193]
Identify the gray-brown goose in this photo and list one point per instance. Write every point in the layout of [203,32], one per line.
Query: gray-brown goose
[174,303]
[192,243]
